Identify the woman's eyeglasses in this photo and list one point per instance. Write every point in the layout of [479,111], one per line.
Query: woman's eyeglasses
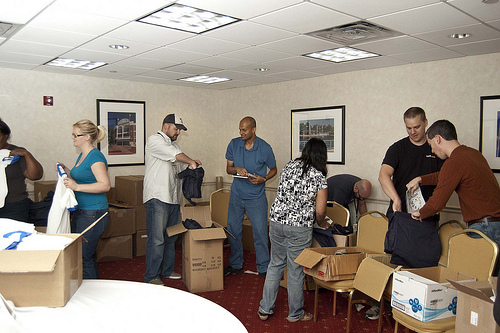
[77,135]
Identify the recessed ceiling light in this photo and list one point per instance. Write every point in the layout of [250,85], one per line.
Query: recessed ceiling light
[187,18]
[73,63]
[205,79]
[459,36]
[119,47]
[262,69]
[341,54]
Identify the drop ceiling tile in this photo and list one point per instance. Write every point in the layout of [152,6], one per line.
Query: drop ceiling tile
[242,9]
[377,62]
[265,79]
[142,62]
[21,11]
[233,75]
[102,44]
[253,69]
[477,33]
[17,46]
[478,9]
[207,45]
[122,9]
[122,70]
[139,78]
[16,65]
[107,75]
[482,47]
[256,54]
[173,55]
[295,63]
[304,17]
[494,24]
[427,55]
[191,69]
[54,37]
[400,44]
[300,45]
[165,75]
[148,34]
[80,54]
[24,58]
[220,62]
[366,9]
[424,19]
[249,33]
[65,19]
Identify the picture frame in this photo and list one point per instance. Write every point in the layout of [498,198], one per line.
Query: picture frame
[126,131]
[489,131]
[326,123]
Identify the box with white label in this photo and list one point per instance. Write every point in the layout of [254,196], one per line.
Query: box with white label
[425,294]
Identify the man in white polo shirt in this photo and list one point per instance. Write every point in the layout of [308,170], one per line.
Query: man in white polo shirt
[162,196]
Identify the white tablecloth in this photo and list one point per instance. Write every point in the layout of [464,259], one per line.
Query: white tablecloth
[121,306]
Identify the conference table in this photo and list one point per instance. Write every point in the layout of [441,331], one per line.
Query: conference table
[122,306]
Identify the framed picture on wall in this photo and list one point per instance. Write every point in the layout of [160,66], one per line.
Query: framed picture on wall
[326,123]
[126,131]
[489,132]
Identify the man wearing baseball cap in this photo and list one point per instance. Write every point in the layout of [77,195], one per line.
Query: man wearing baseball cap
[162,196]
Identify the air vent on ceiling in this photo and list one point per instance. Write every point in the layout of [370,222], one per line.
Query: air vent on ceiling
[8,29]
[354,33]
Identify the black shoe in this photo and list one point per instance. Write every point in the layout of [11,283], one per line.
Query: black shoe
[232,271]
[262,275]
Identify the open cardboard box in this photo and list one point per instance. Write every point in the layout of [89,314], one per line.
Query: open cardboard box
[475,308]
[42,278]
[373,275]
[323,262]
[202,261]
[425,293]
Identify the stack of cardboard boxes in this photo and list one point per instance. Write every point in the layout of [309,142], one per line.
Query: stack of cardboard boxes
[125,235]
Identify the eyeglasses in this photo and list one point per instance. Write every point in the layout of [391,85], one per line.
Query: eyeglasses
[77,135]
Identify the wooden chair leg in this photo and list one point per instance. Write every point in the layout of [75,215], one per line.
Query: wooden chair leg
[381,315]
[349,310]
[334,303]
[315,316]
[396,325]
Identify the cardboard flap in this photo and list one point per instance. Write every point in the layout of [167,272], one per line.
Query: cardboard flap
[476,292]
[28,261]
[176,230]
[308,258]
[208,234]
[372,277]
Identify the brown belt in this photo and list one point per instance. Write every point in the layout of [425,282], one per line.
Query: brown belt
[484,219]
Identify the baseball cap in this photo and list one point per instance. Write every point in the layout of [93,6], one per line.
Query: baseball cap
[176,120]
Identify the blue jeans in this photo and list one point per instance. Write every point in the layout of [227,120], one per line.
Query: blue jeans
[257,213]
[160,249]
[82,218]
[287,242]
[18,211]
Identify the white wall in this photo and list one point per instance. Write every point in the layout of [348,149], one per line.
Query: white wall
[375,101]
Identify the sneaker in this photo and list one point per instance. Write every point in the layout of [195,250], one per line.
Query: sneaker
[232,271]
[372,313]
[174,276]
[262,275]
[305,317]
[262,316]
[156,281]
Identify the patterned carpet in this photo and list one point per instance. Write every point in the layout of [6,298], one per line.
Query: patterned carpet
[242,294]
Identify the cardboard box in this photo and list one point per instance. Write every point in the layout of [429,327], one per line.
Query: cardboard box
[324,264]
[121,221]
[115,248]
[373,276]
[129,189]
[219,203]
[475,308]
[140,240]
[202,261]
[42,278]
[42,187]
[425,294]
[111,195]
